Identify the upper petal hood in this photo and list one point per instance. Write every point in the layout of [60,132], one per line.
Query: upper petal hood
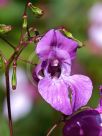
[44,45]
[66,44]
[55,39]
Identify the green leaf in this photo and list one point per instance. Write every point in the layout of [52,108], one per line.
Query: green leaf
[4,130]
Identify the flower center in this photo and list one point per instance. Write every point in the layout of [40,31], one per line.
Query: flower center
[54,68]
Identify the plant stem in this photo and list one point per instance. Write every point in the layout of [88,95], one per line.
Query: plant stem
[13,57]
[8,101]
[62,119]
[4,39]
[51,130]
[26,61]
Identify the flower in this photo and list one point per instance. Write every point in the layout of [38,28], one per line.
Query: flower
[85,123]
[63,92]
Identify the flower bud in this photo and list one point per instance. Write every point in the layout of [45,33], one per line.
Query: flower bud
[37,11]
[14,79]
[5,28]
[69,35]
[24,21]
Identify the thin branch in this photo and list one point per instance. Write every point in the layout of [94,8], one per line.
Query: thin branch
[62,119]
[3,57]
[10,44]
[13,57]
[52,129]
[8,101]
[26,61]
[26,6]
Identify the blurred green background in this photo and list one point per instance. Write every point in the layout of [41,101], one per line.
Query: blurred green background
[69,13]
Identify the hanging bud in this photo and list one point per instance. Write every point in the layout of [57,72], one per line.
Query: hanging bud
[14,79]
[5,28]
[69,35]
[1,62]
[24,22]
[37,11]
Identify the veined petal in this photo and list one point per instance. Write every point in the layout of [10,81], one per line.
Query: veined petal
[65,70]
[65,62]
[63,56]
[37,70]
[66,44]
[81,87]
[44,45]
[55,92]
[55,39]
[39,67]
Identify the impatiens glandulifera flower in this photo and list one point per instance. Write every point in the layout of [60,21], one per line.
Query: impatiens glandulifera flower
[85,123]
[63,92]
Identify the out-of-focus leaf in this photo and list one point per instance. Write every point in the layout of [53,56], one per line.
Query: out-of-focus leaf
[4,130]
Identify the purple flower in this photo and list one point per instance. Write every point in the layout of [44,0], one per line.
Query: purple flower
[85,123]
[63,92]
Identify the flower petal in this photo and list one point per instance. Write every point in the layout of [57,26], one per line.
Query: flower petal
[81,87]
[55,39]
[55,92]
[66,44]
[44,45]
[64,59]
[37,70]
